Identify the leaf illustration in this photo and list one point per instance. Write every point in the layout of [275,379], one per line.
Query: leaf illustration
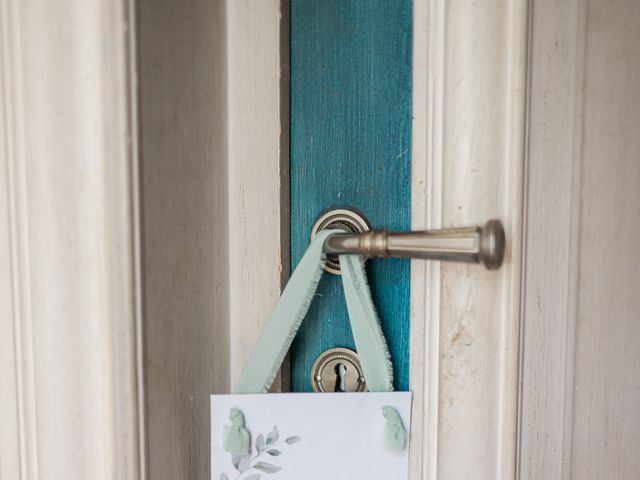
[224,477]
[274,453]
[260,443]
[235,459]
[273,436]
[267,467]
[255,476]
[245,463]
[292,440]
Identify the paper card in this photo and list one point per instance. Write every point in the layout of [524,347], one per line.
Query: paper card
[302,436]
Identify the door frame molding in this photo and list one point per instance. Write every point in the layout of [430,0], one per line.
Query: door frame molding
[469,122]
[258,164]
[554,162]
[71,402]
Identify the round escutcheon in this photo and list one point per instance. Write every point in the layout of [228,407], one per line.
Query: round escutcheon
[338,370]
[348,219]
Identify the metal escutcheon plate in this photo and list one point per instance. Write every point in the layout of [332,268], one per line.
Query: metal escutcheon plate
[347,219]
[338,370]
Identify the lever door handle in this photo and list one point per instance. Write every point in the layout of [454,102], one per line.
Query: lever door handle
[481,244]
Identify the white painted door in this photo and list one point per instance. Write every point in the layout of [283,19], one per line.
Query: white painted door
[532,373]
[523,111]
[216,255]
[580,412]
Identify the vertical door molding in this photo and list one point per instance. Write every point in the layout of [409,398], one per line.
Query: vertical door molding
[580,394]
[468,164]
[213,146]
[258,158]
[182,57]
[70,402]
[553,225]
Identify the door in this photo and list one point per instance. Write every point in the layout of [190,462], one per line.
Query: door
[217,252]
[522,111]
[492,374]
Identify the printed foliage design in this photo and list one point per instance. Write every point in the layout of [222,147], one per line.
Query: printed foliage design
[252,467]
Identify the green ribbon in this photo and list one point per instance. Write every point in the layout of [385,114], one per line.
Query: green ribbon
[278,334]
[367,332]
[267,356]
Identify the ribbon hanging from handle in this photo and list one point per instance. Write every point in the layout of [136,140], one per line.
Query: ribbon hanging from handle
[287,317]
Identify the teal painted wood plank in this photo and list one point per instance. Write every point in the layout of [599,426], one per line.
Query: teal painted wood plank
[350,146]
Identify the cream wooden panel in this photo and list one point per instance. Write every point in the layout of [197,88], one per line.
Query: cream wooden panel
[607,382]
[69,323]
[258,99]
[580,378]
[468,164]
[183,110]
[213,161]
[10,405]
[553,217]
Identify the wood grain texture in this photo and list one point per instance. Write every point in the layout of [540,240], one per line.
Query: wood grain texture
[429,21]
[580,378]
[468,164]
[553,219]
[258,168]
[350,146]
[69,303]
[183,121]
[607,377]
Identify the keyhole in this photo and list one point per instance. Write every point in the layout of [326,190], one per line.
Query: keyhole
[341,373]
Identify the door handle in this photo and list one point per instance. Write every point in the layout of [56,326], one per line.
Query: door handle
[480,244]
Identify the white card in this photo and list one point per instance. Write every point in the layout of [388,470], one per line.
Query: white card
[337,436]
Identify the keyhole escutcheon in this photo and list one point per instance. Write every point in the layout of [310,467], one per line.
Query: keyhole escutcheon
[337,370]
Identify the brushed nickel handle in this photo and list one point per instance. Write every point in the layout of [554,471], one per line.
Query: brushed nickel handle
[481,244]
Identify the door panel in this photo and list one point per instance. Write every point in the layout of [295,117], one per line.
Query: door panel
[468,137]
[580,376]
[350,146]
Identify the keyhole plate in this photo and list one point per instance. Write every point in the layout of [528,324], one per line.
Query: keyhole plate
[323,371]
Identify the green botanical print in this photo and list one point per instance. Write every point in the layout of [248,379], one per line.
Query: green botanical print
[252,467]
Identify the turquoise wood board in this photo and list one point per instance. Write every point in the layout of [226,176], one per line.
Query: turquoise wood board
[350,147]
